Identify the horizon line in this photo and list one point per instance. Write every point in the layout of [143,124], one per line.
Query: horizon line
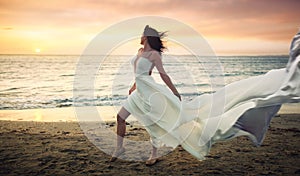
[224,55]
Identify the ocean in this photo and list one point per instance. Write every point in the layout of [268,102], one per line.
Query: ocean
[47,81]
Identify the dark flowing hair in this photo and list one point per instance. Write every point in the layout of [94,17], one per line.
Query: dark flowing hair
[154,38]
[156,43]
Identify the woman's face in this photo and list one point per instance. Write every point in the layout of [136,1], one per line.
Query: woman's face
[143,40]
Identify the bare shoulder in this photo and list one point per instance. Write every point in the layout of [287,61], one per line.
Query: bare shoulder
[155,55]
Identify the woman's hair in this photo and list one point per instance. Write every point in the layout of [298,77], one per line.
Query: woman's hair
[154,38]
[156,43]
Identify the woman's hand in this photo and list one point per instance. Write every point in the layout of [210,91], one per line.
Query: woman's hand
[178,95]
[132,88]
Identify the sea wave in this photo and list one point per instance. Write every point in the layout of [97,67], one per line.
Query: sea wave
[48,81]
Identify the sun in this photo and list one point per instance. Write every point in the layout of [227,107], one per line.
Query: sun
[37,50]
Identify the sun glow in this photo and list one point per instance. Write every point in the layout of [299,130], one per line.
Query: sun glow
[38,115]
[37,50]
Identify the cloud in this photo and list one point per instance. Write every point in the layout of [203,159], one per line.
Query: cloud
[7,28]
[268,20]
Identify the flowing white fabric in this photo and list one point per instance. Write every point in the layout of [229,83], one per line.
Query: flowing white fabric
[241,108]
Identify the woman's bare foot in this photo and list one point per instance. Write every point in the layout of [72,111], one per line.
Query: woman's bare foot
[117,153]
[153,158]
[151,161]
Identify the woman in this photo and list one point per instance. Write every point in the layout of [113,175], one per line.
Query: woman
[151,53]
[242,108]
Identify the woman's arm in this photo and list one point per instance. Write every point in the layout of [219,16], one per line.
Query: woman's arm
[169,83]
[156,58]
[132,88]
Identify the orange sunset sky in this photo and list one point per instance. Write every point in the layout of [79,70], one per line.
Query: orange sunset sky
[232,27]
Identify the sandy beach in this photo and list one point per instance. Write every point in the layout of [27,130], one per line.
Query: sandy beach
[61,148]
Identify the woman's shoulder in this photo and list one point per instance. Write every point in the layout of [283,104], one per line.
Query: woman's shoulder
[154,55]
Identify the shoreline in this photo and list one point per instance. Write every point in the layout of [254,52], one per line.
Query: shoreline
[98,113]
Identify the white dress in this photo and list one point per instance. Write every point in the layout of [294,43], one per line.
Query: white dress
[242,108]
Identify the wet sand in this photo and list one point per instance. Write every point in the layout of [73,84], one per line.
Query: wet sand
[60,148]
[105,113]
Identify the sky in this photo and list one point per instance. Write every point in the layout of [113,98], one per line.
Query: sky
[231,27]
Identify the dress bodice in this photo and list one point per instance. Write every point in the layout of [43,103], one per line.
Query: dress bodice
[142,65]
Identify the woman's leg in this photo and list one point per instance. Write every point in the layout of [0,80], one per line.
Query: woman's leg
[121,128]
[153,153]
